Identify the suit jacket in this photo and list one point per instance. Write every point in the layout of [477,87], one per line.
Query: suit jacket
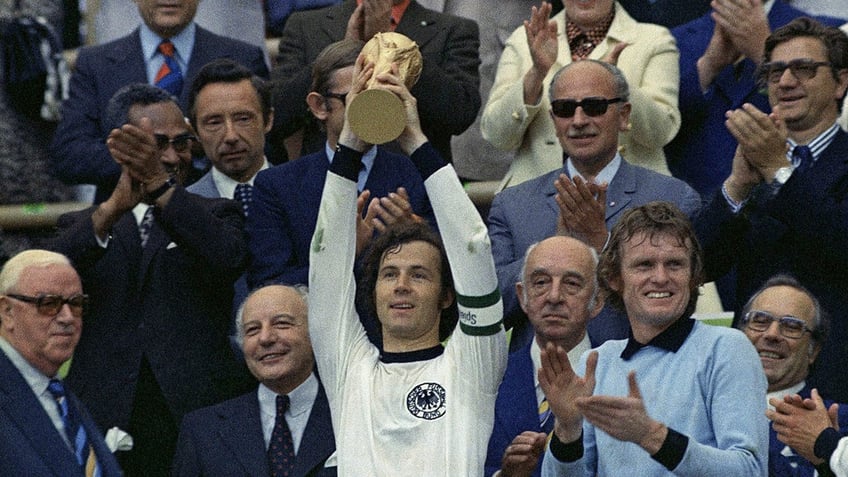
[783,460]
[79,153]
[650,65]
[801,230]
[29,442]
[516,409]
[512,228]
[285,209]
[447,91]
[169,303]
[702,152]
[226,440]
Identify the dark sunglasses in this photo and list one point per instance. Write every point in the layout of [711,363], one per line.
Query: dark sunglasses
[340,96]
[50,305]
[802,69]
[181,143]
[565,108]
[789,326]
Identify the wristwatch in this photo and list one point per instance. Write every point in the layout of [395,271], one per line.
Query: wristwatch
[156,193]
[783,174]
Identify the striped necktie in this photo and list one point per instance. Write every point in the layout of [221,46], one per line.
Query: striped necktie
[169,77]
[74,429]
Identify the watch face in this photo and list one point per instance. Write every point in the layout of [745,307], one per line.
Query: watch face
[782,175]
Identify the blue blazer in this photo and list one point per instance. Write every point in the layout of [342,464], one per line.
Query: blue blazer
[78,152]
[516,409]
[29,442]
[226,440]
[169,303]
[783,461]
[527,213]
[702,152]
[285,209]
[801,230]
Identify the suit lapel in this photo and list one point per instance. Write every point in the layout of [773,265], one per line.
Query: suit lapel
[24,411]
[317,443]
[240,429]
[620,191]
[337,18]
[128,60]
[521,391]
[418,23]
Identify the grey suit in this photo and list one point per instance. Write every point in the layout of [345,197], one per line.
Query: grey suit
[527,213]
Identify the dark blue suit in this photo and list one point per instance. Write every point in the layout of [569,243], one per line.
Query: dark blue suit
[516,409]
[702,151]
[285,209]
[226,440]
[803,231]
[527,213]
[79,154]
[29,442]
[793,465]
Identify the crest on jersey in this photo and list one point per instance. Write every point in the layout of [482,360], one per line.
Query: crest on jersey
[427,401]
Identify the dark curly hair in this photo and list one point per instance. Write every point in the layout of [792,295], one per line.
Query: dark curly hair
[392,240]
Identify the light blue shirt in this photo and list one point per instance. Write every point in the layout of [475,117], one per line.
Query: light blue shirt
[301,400]
[367,163]
[183,46]
[226,185]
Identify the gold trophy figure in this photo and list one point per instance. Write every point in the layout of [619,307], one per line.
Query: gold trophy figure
[377,116]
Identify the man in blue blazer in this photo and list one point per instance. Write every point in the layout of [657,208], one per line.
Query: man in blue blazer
[574,201]
[79,154]
[559,293]
[233,438]
[160,264]
[41,309]
[448,90]
[286,197]
[783,208]
[718,63]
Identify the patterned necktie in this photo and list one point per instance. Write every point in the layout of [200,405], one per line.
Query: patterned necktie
[145,226]
[802,157]
[244,193]
[546,421]
[169,77]
[281,448]
[73,428]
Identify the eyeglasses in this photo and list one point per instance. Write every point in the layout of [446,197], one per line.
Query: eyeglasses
[789,326]
[340,96]
[51,305]
[565,108]
[802,69]
[181,143]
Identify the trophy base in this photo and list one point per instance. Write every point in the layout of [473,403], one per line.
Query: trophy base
[376,116]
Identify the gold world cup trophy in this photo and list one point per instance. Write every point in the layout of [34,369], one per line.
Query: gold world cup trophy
[377,116]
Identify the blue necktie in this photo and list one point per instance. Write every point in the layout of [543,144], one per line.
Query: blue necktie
[73,428]
[169,77]
[244,193]
[281,449]
[802,157]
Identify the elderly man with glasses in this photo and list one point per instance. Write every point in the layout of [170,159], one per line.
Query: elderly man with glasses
[783,208]
[590,106]
[787,326]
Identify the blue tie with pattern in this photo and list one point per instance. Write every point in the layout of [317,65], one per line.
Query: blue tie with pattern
[802,157]
[281,448]
[244,193]
[169,77]
[73,428]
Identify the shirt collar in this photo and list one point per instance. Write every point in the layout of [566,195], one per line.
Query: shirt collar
[783,392]
[36,380]
[767,6]
[817,145]
[226,185]
[397,11]
[139,210]
[606,174]
[367,163]
[573,355]
[671,339]
[301,398]
[583,42]
[183,43]
[412,356]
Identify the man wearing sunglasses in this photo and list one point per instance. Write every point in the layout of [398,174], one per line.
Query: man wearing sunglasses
[160,264]
[786,325]
[586,197]
[783,208]
[41,314]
